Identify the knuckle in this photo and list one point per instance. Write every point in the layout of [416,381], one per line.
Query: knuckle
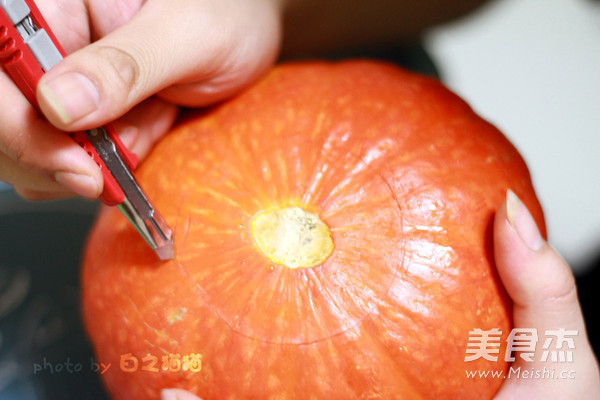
[564,292]
[563,289]
[124,70]
[16,148]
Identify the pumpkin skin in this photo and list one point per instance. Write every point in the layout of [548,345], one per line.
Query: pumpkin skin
[407,178]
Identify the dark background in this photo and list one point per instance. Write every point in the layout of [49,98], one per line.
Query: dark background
[40,322]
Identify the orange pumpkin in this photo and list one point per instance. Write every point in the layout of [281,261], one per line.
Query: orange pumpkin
[332,230]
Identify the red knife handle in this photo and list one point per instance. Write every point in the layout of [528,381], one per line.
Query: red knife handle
[112,194]
[17,60]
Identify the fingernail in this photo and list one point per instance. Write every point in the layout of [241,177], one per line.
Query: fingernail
[521,220]
[70,96]
[167,394]
[177,394]
[81,184]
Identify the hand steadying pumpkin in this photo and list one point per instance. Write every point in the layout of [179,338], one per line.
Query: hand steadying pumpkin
[544,296]
[542,288]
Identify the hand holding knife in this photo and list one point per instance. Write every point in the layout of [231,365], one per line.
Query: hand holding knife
[28,49]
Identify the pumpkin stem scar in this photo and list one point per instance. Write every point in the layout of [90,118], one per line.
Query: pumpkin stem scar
[292,237]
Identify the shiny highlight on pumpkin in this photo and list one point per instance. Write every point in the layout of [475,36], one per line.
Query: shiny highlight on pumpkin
[292,237]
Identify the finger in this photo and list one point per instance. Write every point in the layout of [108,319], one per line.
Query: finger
[38,195]
[68,20]
[145,124]
[177,394]
[120,13]
[544,296]
[38,152]
[13,174]
[538,280]
[217,47]
[29,185]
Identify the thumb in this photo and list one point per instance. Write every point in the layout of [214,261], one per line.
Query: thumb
[545,303]
[165,43]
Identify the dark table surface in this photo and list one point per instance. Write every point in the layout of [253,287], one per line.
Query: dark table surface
[44,352]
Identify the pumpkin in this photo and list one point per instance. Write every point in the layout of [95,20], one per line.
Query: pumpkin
[332,240]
